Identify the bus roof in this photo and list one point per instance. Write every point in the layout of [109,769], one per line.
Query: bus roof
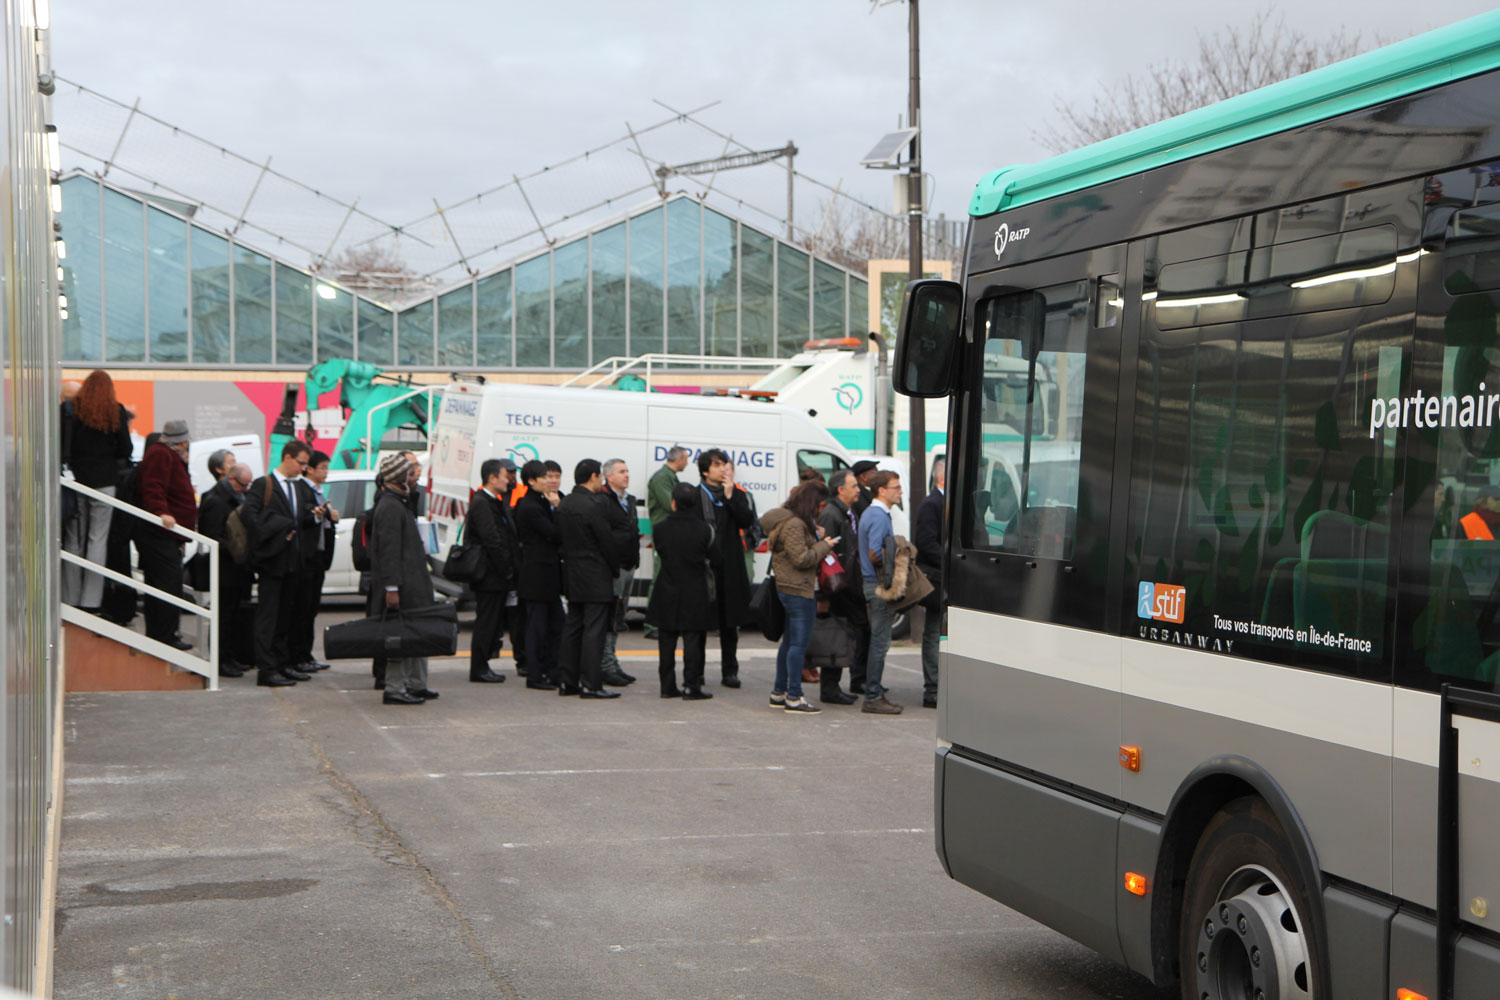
[1458,50]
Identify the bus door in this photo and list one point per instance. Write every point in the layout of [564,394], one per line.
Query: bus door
[1028,569]
[1450,588]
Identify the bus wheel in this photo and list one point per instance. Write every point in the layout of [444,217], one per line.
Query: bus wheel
[1244,932]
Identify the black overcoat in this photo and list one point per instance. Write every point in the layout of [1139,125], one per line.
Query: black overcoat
[213,516]
[727,557]
[541,549]
[625,527]
[397,556]
[679,595]
[488,525]
[588,549]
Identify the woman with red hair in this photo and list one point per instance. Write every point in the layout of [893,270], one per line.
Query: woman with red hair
[95,440]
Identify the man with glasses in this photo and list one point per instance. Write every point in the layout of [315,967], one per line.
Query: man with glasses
[278,512]
[874,529]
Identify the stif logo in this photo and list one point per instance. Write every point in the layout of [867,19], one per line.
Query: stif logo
[1162,601]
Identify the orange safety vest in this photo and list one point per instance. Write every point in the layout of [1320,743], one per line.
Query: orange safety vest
[1476,529]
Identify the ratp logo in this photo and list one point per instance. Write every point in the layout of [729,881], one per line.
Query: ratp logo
[1005,236]
[523,453]
[849,396]
[1162,602]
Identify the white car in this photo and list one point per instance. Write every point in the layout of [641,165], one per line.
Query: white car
[350,491]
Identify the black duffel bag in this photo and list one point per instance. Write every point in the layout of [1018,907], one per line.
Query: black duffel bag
[395,635]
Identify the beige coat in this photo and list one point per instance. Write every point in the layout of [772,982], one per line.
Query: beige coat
[795,552]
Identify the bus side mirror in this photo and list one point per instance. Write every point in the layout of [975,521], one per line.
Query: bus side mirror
[929,336]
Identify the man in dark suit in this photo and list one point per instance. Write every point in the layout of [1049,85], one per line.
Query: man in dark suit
[838,520]
[236,647]
[619,510]
[540,583]
[276,514]
[487,524]
[929,541]
[589,553]
[316,542]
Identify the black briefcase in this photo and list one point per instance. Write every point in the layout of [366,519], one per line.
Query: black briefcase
[395,635]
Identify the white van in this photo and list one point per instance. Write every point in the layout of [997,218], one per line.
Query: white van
[768,442]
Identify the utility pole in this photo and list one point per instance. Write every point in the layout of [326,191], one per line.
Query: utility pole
[916,487]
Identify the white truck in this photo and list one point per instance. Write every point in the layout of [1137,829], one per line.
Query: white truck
[768,442]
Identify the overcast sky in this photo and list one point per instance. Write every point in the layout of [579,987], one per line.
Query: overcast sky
[401,103]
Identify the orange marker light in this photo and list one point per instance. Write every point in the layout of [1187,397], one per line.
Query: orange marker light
[1405,994]
[1135,884]
[1130,758]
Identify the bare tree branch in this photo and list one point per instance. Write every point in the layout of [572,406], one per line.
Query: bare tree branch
[1231,61]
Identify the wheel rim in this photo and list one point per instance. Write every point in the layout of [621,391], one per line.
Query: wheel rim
[1251,944]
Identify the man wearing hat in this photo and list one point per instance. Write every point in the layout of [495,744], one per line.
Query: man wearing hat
[167,491]
[488,524]
[1481,524]
[399,579]
[863,470]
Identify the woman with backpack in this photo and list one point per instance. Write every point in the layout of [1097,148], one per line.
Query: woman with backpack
[95,440]
[797,547]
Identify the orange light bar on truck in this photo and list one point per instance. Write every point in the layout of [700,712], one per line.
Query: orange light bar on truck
[1405,994]
[833,343]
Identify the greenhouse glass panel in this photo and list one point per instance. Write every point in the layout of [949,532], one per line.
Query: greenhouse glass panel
[792,280]
[167,270]
[828,301]
[570,305]
[414,336]
[534,312]
[83,330]
[608,300]
[720,295]
[376,334]
[859,307]
[211,305]
[492,299]
[645,283]
[294,316]
[757,294]
[684,271]
[252,307]
[124,278]
[335,322]
[456,327]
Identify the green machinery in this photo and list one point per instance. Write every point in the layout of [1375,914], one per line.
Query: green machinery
[373,401]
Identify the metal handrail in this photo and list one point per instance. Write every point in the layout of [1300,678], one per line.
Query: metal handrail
[208,668]
[612,368]
[372,448]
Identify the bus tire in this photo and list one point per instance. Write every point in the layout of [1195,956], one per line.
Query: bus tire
[1245,930]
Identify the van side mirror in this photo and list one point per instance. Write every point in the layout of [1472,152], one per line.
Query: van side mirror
[931,323]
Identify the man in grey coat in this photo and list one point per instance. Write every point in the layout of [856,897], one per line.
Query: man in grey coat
[399,579]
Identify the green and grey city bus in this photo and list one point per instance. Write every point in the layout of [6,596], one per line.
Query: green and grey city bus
[1218,691]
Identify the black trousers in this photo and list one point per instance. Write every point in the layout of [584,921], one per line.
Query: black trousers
[544,633]
[861,653]
[161,565]
[235,644]
[489,623]
[275,612]
[729,639]
[694,649]
[305,615]
[515,617]
[583,643]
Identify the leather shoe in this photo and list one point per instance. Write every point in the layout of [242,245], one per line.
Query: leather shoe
[266,680]
[672,693]
[540,686]
[628,677]
[294,674]
[810,675]
[568,690]
[599,693]
[488,677]
[837,698]
[312,667]
[696,694]
[731,680]
[380,685]
[426,694]
[617,679]
[176,642]
[929,703]
[229,670]
[400,698]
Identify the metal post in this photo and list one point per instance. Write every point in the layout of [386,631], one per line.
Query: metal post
[916,489]
[216,619]
[791,152]
[121,141]
[331,244]
[253,189]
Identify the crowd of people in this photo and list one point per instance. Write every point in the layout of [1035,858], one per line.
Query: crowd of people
[556,571]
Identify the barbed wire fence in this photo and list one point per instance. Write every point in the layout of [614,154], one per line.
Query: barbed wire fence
[252,200]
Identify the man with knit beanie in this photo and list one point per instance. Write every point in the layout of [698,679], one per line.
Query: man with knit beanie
[399,579]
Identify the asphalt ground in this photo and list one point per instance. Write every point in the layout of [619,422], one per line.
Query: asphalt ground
[499,842]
